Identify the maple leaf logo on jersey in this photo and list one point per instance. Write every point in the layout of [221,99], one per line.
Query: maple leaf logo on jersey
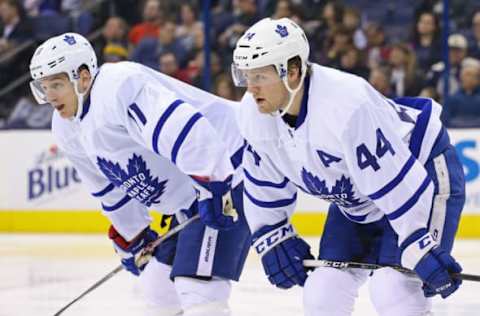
[137,181]
[341,193]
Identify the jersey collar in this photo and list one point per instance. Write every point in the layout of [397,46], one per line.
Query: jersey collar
[86,103]
[303,107]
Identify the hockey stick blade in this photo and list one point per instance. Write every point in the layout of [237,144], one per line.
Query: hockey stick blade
[371,266]
[144,256]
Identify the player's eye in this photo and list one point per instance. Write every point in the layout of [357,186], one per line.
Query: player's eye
[259,77]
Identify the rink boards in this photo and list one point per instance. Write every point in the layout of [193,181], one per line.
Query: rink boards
[40,191]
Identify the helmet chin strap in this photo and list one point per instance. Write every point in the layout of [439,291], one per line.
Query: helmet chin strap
[291,94]
[80,98]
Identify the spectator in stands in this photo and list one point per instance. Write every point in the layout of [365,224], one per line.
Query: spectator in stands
[224,87]
[474,38]
[426,41]
[332,14]
[351,61]
[114,35]
[168,65]
[188,25]
[405,74]
[15,50]
[245,15]
[150,27]
[113,53]
[283,9]
[198,41]
[149,50]
[351,21]
[195,68]
[457,52]
[459,10]
[321,35]
[463,108]
[377,48]
[221,18]
[340,42]
[16,27]
[380,79]
[42,7]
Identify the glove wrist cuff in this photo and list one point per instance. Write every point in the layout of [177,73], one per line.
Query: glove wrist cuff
[269,240]
[416,250]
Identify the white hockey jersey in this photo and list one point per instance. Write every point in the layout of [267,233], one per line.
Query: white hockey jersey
[351,146]
[138,138]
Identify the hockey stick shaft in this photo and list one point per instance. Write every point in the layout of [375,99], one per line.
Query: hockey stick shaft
[145,256]
[372,266]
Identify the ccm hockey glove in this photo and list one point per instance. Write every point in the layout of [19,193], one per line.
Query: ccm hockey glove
[432,264]
[282,253]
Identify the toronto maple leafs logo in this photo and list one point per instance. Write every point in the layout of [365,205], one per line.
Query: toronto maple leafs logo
[250,35]
[70,39]
[341,193]
[281,30]
[136,181]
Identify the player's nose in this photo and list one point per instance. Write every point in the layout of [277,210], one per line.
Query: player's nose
[253,88]
[51,97]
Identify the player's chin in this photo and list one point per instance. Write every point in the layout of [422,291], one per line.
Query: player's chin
[65,114]
[264,107]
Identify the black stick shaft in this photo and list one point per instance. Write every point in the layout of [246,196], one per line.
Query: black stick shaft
[372,266]
[151,247]
[93,287]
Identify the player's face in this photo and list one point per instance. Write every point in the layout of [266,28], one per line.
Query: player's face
[267,88]
[60,93]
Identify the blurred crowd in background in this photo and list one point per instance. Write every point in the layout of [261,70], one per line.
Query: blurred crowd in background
[395,45]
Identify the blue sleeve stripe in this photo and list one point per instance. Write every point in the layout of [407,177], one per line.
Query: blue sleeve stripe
[262,183]
[183,134]
[237,157]
[161,122]
[272,204]
[107,189]
[419,130]
[417,103]
[392,184]
[138,112]
[411,202]
[131,116]
[119,204]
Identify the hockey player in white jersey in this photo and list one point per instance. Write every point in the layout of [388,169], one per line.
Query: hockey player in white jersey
[393,179]
[142,140]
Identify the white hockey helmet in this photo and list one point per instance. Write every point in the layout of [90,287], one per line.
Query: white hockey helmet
[62,54]
[270,42]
